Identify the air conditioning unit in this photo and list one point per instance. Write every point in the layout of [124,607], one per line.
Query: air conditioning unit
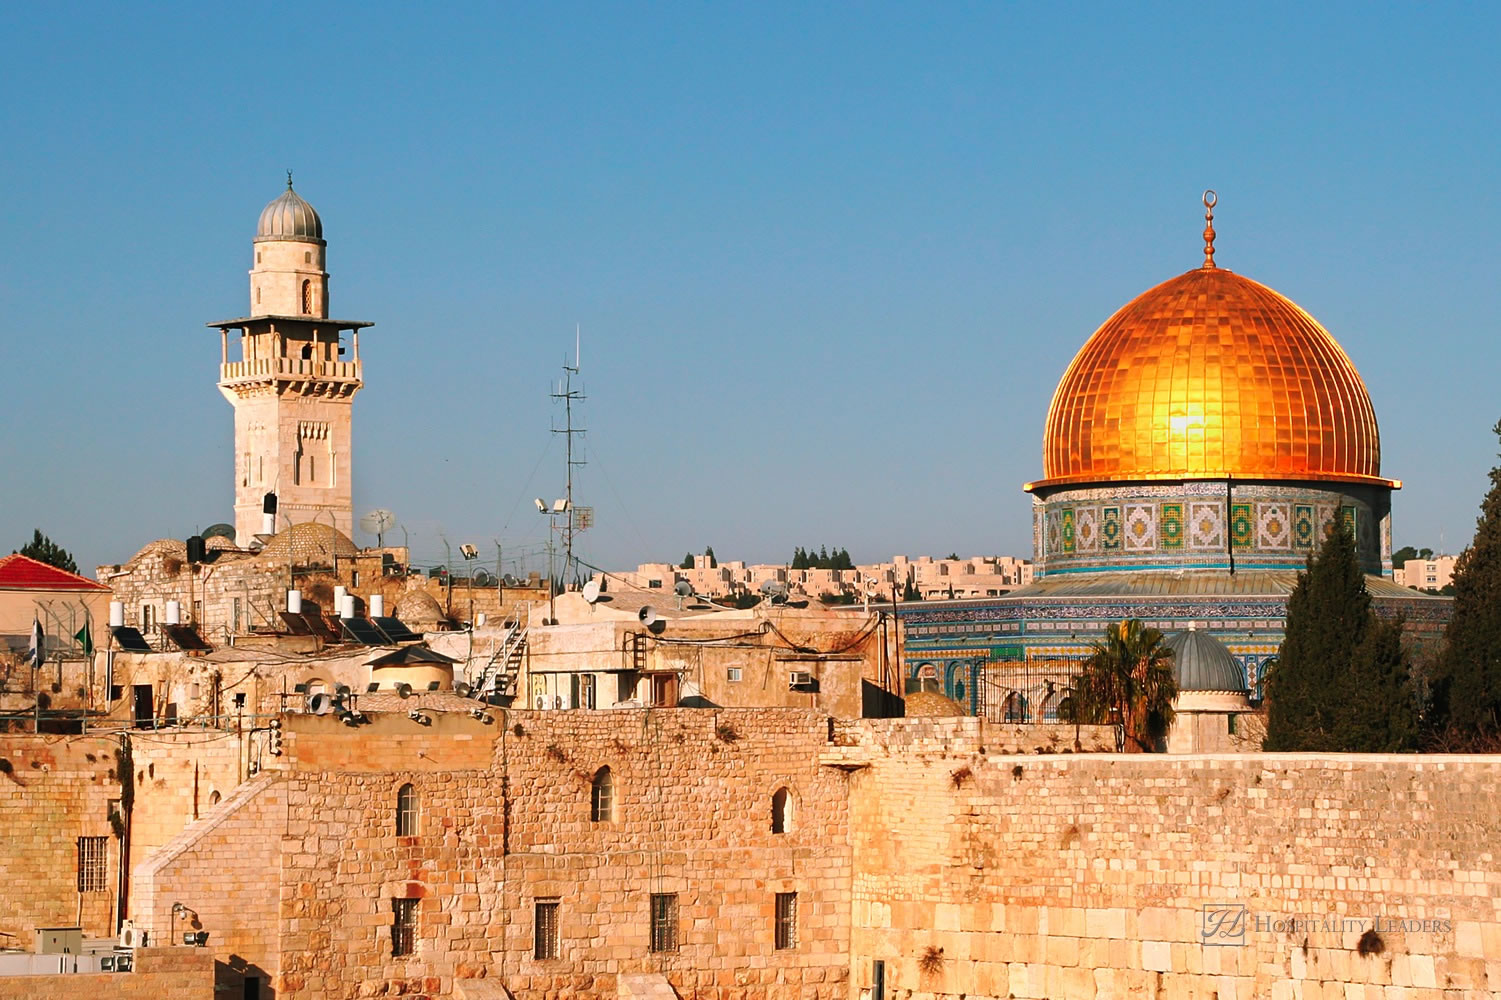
[131,936]
[801,680]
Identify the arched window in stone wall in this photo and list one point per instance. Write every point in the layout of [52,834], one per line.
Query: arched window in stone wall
[406,811]
[307,298]
[781,811]
[602,796]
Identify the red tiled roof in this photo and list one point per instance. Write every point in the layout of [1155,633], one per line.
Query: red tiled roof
[18,572]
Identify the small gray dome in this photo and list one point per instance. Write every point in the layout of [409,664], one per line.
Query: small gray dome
[1202,663]
[289,218]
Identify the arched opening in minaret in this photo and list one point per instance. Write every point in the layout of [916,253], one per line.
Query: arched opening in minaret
[307,298]
[307,352]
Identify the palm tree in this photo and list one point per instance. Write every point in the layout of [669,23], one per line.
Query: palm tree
[1127,682]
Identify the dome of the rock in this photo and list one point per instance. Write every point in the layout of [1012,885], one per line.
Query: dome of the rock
[1211,375]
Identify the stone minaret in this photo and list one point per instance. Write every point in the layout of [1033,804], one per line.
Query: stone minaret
[294,383]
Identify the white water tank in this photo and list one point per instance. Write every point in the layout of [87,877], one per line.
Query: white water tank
[116,614]
[294,602]
[479,620]
[174,612]
[377,606]
[339,593]
[346,610]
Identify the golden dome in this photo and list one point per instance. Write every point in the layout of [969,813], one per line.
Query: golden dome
[1211,376]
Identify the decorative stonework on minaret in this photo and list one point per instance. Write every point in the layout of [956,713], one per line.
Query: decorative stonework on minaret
[293,384]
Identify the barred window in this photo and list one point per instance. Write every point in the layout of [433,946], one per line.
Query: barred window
[545,936]
[403,926]
[93,864]
[786,930]
[664,921]
[602,797]
[406,811]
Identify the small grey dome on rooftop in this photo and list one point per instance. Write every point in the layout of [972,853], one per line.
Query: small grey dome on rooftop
[1202,663]
[289,217]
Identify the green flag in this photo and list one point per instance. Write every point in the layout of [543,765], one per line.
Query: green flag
[84,640]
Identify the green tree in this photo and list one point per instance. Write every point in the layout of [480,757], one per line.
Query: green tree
[910,591]
[687,562]
[709,555]
[1341,681]
[1407,552]
[44,549]
[1127,681]
[1466,704]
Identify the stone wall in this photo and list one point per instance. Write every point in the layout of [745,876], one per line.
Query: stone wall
[505,820]
[54,790]
[224,871]
[985,875]
[159,974]
[179,776]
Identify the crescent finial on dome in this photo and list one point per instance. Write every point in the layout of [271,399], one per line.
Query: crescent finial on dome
[1210,200]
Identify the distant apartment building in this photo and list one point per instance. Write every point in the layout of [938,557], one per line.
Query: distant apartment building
[1426,574]
[932,579]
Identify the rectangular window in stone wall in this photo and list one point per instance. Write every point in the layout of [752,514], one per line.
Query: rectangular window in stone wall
[664,921]
[93,864]
[545,937]
[786,932]
[403,926]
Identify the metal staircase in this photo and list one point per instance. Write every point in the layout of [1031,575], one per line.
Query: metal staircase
[498,678]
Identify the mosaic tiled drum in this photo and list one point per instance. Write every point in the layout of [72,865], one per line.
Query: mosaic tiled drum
[1197,451]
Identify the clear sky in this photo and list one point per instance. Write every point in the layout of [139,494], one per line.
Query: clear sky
[830,261]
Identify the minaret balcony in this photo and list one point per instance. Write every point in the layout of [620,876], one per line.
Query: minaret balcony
[289,370]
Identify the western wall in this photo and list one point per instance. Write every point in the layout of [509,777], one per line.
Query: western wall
[931,846]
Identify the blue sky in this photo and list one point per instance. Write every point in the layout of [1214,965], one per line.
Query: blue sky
[829,260]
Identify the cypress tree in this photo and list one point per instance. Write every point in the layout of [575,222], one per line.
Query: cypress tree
[1340,681]
[1467,689]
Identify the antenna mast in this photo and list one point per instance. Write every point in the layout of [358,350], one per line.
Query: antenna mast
[569,395]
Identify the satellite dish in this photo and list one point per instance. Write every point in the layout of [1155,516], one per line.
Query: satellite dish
[541,505]
[468,551]
[220,530]
[377,523]
[872,586]
[342,690]
[404,689]
[591,591]
[462,689]
[657,626]
[320,704]
[683,588]
[482,578]
[648,616]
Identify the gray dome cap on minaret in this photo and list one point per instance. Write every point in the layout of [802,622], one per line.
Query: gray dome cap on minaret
[1202,663]
[289,217]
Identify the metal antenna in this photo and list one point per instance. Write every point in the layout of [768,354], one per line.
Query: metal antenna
[569,395]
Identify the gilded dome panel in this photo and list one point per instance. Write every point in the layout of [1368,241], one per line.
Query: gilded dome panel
[1211,375]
